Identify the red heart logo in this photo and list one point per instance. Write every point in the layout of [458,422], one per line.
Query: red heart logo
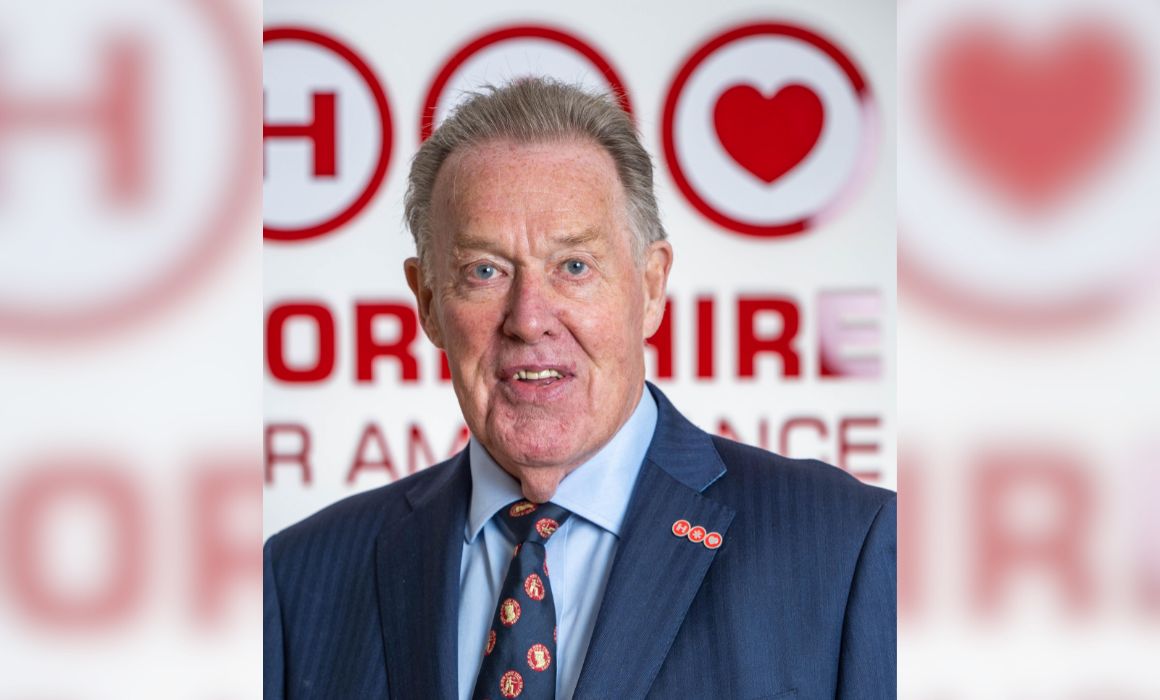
[1033,122]
[768,136]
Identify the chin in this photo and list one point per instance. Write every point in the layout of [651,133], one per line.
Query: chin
[540,453]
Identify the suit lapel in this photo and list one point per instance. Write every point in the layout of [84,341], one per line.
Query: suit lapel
[417,569]
[656,574]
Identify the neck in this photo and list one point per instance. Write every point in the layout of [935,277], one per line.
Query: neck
[539,484]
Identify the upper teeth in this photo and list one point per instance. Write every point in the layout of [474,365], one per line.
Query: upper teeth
[544,374]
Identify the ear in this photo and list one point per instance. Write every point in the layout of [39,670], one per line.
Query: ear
[658,260]
[423,298]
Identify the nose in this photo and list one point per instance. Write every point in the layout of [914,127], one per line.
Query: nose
[531,312]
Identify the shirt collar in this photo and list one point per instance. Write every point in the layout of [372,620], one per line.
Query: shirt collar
[598,490]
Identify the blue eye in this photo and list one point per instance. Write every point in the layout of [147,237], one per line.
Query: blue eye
[483,271]
[576,267]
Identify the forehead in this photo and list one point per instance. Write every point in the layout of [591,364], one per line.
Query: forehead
[536,187]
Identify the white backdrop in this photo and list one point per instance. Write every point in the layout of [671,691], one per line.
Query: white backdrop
[777,189]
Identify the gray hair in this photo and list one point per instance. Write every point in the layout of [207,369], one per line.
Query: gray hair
[535,110]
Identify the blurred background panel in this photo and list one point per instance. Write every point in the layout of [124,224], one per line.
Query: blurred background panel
[1028,242]
[130,304]
[134,301]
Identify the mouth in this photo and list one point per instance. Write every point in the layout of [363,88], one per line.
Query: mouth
[535,380]
[531,375]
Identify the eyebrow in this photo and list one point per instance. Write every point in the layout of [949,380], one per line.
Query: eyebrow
[469,241]
[572,240]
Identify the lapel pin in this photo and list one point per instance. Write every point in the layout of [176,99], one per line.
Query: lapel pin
[697,534]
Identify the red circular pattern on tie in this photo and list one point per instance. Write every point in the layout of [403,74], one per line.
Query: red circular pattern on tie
[697,534]
[681,528]
[534,587]
[545,564]
[511,684]
[713,540]
[539,659]
[490,642]
[554,630]
[546,526]
[509,612]
[522,508]
[516,553]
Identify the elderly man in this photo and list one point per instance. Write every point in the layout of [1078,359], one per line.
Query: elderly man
[590,542]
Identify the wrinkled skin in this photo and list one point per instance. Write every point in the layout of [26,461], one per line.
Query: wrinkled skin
[532,269]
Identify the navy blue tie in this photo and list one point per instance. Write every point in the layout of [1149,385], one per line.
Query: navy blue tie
[519,658]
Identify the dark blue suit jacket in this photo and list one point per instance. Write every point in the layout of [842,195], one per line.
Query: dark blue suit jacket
[361,599]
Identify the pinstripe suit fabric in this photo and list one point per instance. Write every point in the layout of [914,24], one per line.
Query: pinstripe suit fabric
[798,602]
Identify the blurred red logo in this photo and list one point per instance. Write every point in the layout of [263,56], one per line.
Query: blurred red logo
[1031,119]
[123,160]
[1027,162]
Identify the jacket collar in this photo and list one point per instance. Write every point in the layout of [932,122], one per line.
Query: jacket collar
[680,464]
[681,449]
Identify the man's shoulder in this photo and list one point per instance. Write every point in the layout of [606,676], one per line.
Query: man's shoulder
[757,483]
[802,486]
[359,517]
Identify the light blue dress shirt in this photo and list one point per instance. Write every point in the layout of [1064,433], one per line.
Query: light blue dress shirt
[580,553]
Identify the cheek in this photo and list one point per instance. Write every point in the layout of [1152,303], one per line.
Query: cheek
[631,312]
[469,331]
[609,332]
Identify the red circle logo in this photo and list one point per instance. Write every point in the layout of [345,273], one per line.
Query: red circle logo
[490,642]
[768,129]
[681,528]
[331,198]
[713,540]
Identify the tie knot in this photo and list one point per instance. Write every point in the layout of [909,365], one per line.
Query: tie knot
[532,522]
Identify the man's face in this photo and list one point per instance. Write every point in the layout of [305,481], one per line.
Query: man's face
[537,299]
